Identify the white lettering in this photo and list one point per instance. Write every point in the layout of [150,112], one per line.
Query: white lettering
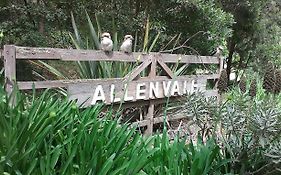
[140,92]
[154,89]
[166,88]
[98,95]
[185,90]
[175,88]
[193,87]
[126,97]
[112,94]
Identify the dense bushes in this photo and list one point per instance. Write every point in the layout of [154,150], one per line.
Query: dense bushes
[247,128]
[48,135]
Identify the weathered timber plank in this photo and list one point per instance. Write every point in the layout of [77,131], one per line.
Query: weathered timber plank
[157,120]
[152,73]
[10,67]
[146,102]
[150,118]
[165,68]
[150,111]
[37,53]
[143,89]
[86,85]
[97,55]
[132,75]
[211,93]
[77,55]
[24,85]
[177,58]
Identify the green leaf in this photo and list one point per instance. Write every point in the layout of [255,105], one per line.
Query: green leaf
[93,32]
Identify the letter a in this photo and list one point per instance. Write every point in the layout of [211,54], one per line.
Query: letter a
[98,95]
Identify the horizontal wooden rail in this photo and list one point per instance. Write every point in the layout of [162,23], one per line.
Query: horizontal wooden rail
[24,85]
[129,91]
[208,93]
[97,55]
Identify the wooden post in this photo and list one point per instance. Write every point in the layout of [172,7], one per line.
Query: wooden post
[150,111]
[10,67]
[221,63]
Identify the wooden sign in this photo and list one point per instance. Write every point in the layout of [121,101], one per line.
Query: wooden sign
[120,90]
[131,89]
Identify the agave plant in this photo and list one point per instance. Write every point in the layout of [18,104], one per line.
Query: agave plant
[108,69]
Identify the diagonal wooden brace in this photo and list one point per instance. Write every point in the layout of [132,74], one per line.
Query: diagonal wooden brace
[132,75]
[165,67]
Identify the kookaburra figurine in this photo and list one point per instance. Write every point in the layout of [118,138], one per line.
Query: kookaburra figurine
[127,44]
[218,51]
[106,43]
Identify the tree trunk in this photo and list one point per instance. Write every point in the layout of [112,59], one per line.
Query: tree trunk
[229,59]
[41,25]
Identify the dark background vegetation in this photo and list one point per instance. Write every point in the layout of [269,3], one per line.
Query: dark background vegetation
[249,30]
[44,134]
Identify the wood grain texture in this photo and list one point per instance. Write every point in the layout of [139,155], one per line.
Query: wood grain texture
[84,91]
[165,68]
[137,89]
[10,67]
[150,117]
[150,111]
[97,55]
[24,85]
[1,53]
[132,75]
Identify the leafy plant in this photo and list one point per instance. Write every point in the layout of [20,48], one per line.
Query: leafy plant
[49,135]
[247,128]
[179,157]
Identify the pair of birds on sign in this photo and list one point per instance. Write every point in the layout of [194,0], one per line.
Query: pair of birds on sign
[107,45]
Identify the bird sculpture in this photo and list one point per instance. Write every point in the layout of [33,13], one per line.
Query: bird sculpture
[127,44]
[218,51]
[106,43]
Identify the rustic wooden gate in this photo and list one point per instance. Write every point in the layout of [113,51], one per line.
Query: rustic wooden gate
[130,90]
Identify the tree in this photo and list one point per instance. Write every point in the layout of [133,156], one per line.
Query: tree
[254,40]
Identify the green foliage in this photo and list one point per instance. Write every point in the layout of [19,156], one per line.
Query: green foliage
[95,69]
[268,46]
[247,128]
[31,23]
[179,157]
[256,29]
[102,69]
[49,135]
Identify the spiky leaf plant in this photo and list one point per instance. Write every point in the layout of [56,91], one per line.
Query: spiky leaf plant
[49,135]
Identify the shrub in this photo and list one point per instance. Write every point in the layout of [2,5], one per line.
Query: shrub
[248,129]
[49,135]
